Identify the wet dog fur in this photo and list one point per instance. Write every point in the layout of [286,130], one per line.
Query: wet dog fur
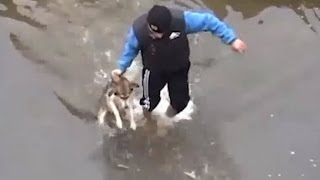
[117,99]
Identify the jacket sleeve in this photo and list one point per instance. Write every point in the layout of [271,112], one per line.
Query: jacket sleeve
[206,21]
[130,51]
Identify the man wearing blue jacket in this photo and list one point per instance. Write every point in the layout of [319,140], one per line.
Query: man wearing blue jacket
[161,37]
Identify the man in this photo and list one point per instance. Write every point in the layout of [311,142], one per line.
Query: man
[161,37]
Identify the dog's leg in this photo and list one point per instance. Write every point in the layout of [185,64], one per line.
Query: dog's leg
[133,124]
[116,114]
[101,115]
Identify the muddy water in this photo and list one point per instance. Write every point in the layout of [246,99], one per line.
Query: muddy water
[247,123]
[251,8]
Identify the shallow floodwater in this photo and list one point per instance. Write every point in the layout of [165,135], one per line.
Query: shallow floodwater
[257,113]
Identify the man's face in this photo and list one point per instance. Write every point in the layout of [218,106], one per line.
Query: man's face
[152,32]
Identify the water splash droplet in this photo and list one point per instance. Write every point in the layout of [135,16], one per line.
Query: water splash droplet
[279,175]
[205,170]
[292,153]
[314,165]
[269,175]
[272,115]
[108,54]
[311,160]
[85,36]
[302,175]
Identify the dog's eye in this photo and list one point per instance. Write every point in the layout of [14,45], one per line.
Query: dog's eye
[116,93]
[131,89]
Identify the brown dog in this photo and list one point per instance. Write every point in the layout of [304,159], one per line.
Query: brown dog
[117,98]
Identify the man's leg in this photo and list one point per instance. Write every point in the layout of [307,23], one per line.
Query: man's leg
[152,83]
[178,87]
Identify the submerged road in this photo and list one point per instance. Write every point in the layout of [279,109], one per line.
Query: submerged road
[39,138]
[258,112]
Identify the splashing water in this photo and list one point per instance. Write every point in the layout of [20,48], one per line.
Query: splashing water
[159,111]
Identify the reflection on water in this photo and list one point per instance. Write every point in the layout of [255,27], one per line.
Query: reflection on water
[22,10]
[251,8]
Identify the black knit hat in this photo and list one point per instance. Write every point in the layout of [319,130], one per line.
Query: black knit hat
[160,17]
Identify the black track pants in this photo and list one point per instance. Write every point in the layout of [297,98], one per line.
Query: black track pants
[178,87]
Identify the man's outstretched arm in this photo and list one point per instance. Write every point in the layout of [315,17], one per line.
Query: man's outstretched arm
[206,21]
[130,51]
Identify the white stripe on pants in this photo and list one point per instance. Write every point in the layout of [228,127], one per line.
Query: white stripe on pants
[146,89]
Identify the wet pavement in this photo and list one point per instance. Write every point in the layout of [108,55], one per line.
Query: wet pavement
[258,112]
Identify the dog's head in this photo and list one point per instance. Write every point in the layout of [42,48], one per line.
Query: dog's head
[122,86]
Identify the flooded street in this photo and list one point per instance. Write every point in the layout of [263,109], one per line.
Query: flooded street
[258,113]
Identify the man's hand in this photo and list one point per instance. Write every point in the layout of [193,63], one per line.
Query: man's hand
[117,72]
[239,46]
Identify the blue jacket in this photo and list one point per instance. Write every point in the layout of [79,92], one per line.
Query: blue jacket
[195,22]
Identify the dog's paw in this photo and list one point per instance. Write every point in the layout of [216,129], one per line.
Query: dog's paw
[133,126]
[101,116]
[119,124]
[101,123]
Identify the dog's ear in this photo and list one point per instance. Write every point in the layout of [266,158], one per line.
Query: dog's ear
[134,85]
[115,75]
